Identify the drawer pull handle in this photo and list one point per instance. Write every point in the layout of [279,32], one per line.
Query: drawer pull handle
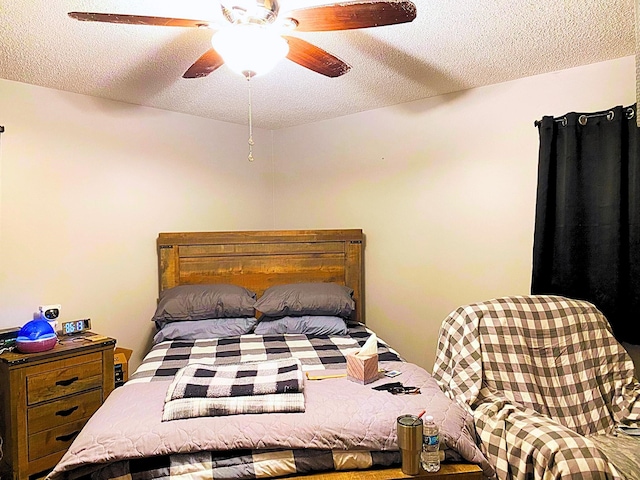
[66,383]
[67,412]
[66,438]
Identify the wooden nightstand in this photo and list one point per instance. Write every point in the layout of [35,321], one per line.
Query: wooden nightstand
[46,398]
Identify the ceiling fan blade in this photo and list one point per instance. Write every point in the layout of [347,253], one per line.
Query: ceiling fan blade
[137,19]
[207,63]
[347,16]
[314,58]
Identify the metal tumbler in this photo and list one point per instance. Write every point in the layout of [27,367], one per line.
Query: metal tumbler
[410,442]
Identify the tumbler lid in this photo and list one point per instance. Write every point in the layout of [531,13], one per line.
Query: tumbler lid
[409,420]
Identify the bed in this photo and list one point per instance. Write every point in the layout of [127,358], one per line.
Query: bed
[152,428]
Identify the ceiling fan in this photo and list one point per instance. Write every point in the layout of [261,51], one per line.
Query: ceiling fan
[263,15]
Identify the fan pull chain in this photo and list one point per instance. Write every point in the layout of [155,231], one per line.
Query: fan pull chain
[250,157]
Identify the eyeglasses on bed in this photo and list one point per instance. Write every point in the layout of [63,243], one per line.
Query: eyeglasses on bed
[404,390]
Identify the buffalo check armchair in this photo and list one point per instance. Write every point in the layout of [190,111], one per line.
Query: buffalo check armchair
[549,386]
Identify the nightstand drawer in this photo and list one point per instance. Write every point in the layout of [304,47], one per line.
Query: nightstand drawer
[65,410]
[84,373]
[55,440]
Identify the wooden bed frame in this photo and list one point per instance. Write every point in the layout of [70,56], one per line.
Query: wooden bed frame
[260,259]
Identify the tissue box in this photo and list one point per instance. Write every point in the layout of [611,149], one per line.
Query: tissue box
[362,368]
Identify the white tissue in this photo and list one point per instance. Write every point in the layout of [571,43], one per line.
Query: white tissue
[370,347]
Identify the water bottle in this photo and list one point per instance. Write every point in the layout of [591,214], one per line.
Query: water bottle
[430,456]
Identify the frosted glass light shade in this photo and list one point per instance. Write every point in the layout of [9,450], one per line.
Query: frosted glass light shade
[249,48]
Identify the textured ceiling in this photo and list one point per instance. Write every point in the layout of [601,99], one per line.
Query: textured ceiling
[452,45]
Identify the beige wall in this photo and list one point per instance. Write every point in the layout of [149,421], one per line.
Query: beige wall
[87,185]
[444,190]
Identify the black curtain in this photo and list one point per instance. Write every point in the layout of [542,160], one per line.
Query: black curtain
[587,227]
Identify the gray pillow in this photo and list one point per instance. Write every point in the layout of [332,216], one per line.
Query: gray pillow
[306,299]
[305,324]
[204,329]
[203,302]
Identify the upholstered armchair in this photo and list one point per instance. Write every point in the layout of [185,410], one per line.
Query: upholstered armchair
[550,388]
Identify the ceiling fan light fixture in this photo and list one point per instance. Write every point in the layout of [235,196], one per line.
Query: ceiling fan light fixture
[249,49]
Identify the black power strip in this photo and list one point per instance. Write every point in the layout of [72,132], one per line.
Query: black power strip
[8,337]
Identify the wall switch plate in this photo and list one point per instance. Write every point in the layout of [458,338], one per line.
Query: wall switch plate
[75,326]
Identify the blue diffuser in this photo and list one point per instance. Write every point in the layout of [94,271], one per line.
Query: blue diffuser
[36,336]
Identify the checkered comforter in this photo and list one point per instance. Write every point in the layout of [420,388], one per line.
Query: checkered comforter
[262,387]
[545,380]
[242,464]
[106,449]
[345,425]
[315,353]
[239,380]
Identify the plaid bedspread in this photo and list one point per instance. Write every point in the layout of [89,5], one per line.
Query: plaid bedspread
[263,387]
[167,358]
[345,425]
[208,381]
[542,376]
[314,353]
[246,464]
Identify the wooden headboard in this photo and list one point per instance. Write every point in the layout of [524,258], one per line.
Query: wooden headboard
[260,259]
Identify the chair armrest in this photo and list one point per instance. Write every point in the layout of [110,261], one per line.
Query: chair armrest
[520,443]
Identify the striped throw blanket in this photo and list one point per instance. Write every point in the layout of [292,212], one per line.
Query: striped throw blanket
[208,390]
